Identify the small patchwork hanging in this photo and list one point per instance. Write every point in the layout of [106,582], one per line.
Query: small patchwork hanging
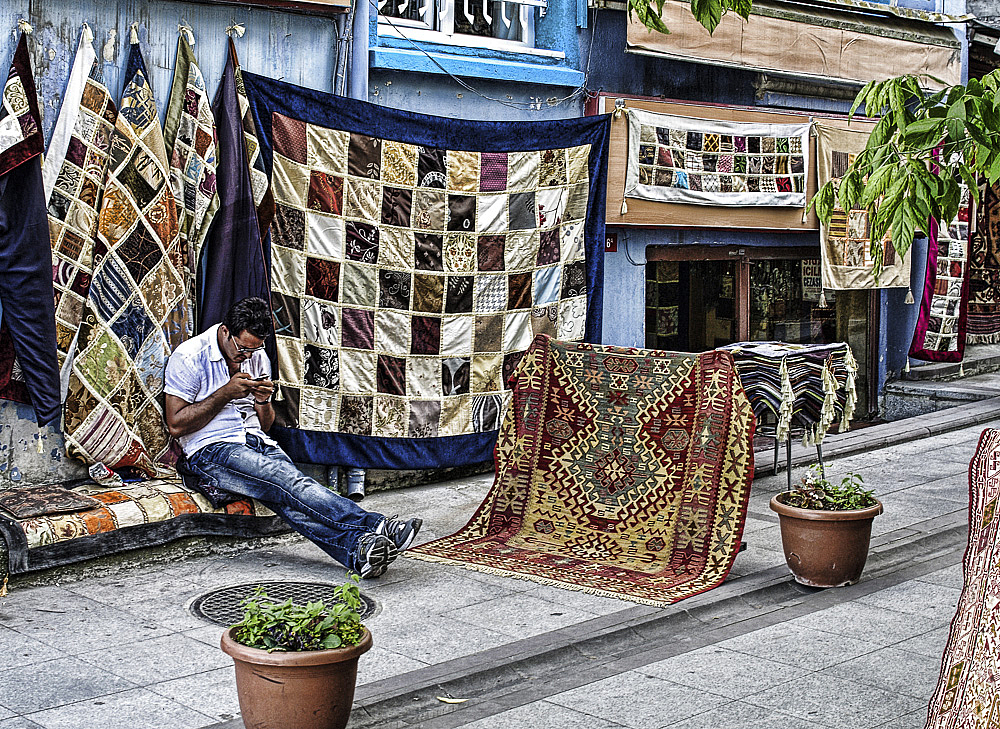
[709,162]
[189,136]
[75,167]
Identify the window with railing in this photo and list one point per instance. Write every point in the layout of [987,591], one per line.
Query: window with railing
[489,23]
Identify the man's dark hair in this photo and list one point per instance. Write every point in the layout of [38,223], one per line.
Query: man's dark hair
[252,314]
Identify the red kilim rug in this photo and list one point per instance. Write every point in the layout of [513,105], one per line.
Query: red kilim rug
[968,690]
[620,472]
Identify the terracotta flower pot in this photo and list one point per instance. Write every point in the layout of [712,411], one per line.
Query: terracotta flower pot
[825,548]
[295,690]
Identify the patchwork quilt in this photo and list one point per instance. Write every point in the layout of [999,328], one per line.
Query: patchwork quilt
[189,138]
[413,260]
[74,172]
[939,335]
[137,309]
[847,252]
[708,162]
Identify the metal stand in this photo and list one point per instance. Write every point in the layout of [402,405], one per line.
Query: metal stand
[788,456]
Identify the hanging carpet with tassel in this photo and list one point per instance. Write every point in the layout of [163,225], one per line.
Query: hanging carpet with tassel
[984,271]
[940,334]
[848,261]
[29,367]
[620,472]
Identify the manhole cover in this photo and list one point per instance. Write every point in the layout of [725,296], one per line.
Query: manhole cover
[222,606]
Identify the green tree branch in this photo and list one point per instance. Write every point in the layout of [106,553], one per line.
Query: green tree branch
[923,148]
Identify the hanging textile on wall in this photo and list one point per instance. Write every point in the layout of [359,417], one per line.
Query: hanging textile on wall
[136,311]
[940,332]
[189,138]
[845,243]
[25,264]
[984,270]
[708,162]
[411,269]
[620,472]
[74,171]
[232,261]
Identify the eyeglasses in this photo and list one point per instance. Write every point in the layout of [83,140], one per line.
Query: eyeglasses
[241,349]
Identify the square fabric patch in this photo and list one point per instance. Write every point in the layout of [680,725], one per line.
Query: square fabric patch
[411,275]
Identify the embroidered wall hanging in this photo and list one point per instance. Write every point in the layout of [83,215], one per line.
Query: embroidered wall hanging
[136,310]
[968,692]
[984,271]
[413,258]
[28,330]
[620,472]
[939,335]
[74,172]
[685,160]
[845,242]
[189,137]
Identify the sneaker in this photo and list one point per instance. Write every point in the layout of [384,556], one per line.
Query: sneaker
[374,554]
[400,532]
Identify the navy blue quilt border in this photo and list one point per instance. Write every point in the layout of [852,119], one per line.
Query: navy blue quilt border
[366,451]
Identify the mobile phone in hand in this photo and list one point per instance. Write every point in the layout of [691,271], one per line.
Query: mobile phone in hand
[258,379]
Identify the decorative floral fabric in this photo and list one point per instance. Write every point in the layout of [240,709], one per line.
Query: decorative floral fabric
[74,172]
[984,271]
[968,690]
[189,137]
[940,332]
[703,161]
[620,472]
[408,278]
[136,311]
[845,242]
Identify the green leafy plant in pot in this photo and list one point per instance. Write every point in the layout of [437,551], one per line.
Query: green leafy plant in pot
[297,665]
[826,528]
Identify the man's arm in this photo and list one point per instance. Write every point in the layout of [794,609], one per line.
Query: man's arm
[184,418]
[263,390]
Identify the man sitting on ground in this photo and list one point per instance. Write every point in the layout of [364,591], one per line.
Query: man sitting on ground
[218,406]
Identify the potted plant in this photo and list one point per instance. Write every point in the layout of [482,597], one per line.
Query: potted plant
[297,665]
[826,528]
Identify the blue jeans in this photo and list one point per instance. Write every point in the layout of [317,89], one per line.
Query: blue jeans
[263,472]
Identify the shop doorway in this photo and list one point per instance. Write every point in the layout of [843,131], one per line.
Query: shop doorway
[699,298]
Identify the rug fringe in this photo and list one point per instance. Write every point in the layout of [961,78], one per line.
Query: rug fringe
[983,338]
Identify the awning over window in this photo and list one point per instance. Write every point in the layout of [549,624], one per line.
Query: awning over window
[819,41]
